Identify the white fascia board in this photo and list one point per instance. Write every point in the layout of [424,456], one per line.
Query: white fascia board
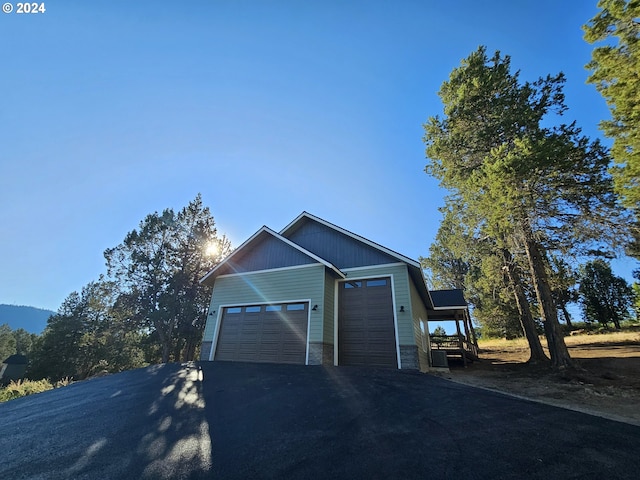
[372,244]
[452,307]
[269,270]
[266,229]
[370,267]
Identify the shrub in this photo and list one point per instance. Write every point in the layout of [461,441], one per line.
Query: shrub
[22,388]
[63,382]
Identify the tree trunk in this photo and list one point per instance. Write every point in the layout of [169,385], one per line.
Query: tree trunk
[616,321]
[526,319]
[565,314]
[555,339]
[165,339]
[166,349]
[177,350]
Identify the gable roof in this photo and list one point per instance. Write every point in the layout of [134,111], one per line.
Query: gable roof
[306,215]
[266,231]
[16,359]
[415,269]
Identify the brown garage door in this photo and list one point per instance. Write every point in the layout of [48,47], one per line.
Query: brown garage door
[366,333]
[264,333]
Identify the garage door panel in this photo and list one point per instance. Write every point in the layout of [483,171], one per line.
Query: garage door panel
[366,331]
[266,333]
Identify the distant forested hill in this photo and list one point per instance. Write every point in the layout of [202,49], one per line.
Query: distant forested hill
[32,319]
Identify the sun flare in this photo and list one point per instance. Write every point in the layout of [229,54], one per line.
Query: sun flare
[212,249]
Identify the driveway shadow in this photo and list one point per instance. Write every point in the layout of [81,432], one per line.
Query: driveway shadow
[146,423]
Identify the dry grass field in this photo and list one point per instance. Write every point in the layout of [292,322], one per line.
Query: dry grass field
[606,380]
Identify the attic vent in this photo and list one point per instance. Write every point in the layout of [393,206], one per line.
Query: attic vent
[439,358]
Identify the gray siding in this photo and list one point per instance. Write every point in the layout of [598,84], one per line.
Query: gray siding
[277,286]
[337,248]
[264,253]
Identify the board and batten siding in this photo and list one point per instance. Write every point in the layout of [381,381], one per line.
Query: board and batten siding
[266,252]
[271,286]
[400,290]
[337,248]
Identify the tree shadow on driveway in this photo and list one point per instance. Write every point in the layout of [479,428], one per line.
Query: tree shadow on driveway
[146,423]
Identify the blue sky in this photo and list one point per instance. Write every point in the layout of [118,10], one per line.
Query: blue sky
[116,109]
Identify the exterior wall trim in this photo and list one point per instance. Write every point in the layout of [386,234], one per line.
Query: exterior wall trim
[214,344]
[452,307]
[395,321]
[395,315]
[336,306]
[382,265]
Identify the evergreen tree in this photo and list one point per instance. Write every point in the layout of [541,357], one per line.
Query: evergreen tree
[89,334]
[605,297]
[614,71]
[563,286]
[7,342]
[158,268]
[462,256]
[532,188]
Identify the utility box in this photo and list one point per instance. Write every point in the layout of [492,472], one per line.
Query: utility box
[439,359]
[13,368]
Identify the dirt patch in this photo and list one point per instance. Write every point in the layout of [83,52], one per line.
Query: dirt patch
[605,382]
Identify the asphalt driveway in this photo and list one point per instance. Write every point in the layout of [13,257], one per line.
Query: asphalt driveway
[234,420]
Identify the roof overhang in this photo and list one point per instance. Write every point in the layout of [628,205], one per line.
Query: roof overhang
[446,314]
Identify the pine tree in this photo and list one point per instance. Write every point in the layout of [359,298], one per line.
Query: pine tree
[532,188]
[615,68]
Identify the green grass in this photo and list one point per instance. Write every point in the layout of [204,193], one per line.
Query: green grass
[586,338]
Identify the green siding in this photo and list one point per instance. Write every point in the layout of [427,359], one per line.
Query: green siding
[402,295]
[271,287]
[328,307]
[419,312]
[317,284]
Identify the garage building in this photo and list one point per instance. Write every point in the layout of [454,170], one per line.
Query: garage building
[315,293]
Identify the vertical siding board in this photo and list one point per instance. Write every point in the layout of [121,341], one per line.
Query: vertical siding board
[337,248]
[266,253]
[271,287]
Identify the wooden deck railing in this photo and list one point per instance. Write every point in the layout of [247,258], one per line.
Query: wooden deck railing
[454,343]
